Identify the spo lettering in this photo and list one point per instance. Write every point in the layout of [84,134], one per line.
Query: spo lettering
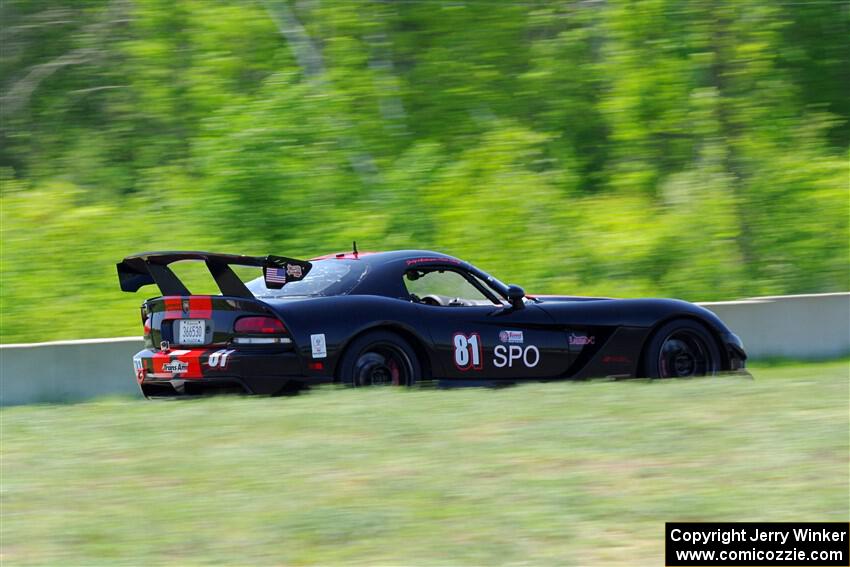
[506,355]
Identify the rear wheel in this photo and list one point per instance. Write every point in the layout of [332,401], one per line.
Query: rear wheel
[681,349]
[379,358]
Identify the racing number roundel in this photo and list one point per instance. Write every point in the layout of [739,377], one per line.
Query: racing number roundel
[467,351]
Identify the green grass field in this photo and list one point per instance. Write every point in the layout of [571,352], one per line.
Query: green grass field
[550,474]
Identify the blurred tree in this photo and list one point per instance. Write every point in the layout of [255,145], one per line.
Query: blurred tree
[616,147]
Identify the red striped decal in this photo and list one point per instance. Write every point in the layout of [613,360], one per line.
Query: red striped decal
[200,307]
[173,307]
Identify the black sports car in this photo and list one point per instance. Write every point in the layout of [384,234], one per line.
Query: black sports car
[400,318]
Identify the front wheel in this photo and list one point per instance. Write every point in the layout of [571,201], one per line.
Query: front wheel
[681,349]
[379,358]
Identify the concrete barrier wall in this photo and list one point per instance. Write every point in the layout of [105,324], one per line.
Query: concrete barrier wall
[67,371]
[803,326]
[790,326]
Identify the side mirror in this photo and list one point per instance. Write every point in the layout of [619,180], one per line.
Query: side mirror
[515,296]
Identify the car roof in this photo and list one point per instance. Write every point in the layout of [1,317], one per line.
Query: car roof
[385,269]
[411,256]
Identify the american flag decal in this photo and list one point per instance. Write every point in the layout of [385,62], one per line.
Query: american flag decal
[276,275]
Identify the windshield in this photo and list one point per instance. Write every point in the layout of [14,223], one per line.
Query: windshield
[326,277]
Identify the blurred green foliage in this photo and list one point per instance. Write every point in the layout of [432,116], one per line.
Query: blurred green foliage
[688,149]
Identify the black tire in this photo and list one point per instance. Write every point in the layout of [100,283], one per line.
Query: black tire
[682,348]
[379,358]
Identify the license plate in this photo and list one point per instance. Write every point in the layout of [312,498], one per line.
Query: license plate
[191,331]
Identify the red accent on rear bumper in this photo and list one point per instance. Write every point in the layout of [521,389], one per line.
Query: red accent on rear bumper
[191,358]
[158,359]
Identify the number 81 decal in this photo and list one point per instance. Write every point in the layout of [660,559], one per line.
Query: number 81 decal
[467,351]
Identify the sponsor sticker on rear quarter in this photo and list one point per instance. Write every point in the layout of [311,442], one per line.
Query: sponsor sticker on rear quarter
[317,342]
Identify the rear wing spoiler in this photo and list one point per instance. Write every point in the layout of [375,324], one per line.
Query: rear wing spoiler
[149,268]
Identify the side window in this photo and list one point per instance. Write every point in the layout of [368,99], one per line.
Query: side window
[442,287]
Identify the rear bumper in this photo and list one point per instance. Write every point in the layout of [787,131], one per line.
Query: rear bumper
[269,386]
[189,372]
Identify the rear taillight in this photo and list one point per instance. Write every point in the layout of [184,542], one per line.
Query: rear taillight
[264,330]
[259,326]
